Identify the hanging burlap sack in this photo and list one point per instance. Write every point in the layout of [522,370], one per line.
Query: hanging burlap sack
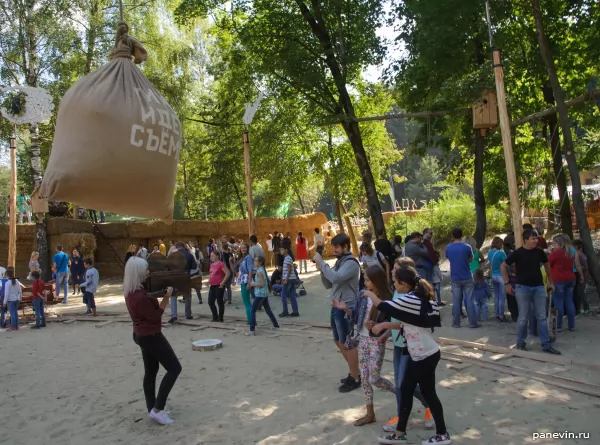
[117,141]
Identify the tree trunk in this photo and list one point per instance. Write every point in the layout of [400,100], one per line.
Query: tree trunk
[344,105]
[351,234]
[478,194]
[186,196]
[334,180]
[353,132]
[584,229]
[92,35]
[30,62]
[548,186]
[239,199]
[338,215]
[300,201]
[557,164]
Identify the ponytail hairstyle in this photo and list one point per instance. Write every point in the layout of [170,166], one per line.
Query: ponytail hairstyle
[422,289]
[300,238]
[10,274]
[419,286]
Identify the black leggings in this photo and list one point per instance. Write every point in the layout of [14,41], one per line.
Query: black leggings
[423,374]
[216,292]
[157,350]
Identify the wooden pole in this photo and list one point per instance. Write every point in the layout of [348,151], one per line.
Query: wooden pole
[251,221]
[12,219]
[511,173]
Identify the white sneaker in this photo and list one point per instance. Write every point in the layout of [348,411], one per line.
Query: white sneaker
[160,417]
[167,410]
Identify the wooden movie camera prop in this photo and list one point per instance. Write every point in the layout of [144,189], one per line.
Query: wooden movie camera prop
[170,272]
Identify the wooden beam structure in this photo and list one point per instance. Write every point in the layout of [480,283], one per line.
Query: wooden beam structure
[415,115]
[579,100]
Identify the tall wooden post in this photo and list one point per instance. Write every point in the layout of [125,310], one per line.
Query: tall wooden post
[251,221]
[511,173]
[12,220]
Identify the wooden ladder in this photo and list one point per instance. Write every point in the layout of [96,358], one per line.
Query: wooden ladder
[105,239]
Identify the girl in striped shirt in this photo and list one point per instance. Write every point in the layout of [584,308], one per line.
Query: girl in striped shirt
[418,314]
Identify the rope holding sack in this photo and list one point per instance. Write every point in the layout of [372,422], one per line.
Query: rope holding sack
[127,47]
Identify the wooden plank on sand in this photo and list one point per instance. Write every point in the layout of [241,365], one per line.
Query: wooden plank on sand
[537,356]
[561,382]
[104,323]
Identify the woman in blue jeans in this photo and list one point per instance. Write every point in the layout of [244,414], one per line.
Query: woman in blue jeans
[496,257]
[564,261]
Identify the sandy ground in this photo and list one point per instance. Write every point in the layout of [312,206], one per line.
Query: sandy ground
[81,385]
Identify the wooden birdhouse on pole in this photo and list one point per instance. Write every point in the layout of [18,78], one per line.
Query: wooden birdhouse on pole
[485,111]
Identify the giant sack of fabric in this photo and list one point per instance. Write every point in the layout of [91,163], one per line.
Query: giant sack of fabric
[117,140]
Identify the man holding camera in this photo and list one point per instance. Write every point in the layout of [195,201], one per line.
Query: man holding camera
[342,282]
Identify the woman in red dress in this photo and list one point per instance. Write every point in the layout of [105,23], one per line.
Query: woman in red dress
[302,251]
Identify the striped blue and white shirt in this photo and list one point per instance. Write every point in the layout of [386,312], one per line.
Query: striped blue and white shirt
[418,317]
[288,261]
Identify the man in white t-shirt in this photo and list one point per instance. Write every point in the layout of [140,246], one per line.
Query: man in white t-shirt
[319,241]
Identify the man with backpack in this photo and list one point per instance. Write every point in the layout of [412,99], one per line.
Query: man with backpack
[342,282]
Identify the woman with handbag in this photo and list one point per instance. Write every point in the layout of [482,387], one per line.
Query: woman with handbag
[371,347]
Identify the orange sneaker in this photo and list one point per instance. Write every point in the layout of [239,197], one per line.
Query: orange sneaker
[429,422]
[390,426]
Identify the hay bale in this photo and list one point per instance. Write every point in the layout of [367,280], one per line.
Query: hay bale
[109,270]
[114,230]
[104,253]
[151,229]
[25,232]
[84,242]
[58,226]
[188,229]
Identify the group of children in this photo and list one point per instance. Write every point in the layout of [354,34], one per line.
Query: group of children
[11,293]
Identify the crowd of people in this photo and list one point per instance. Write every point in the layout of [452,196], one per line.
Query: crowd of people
[235,262]
[391,292]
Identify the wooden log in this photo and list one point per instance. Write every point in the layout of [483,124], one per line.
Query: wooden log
[537,356]
[248,177]
[104,323]
[561,382]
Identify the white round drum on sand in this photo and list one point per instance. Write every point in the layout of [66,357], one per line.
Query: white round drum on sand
[207,345]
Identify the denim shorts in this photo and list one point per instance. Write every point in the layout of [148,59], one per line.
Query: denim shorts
[340,325]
